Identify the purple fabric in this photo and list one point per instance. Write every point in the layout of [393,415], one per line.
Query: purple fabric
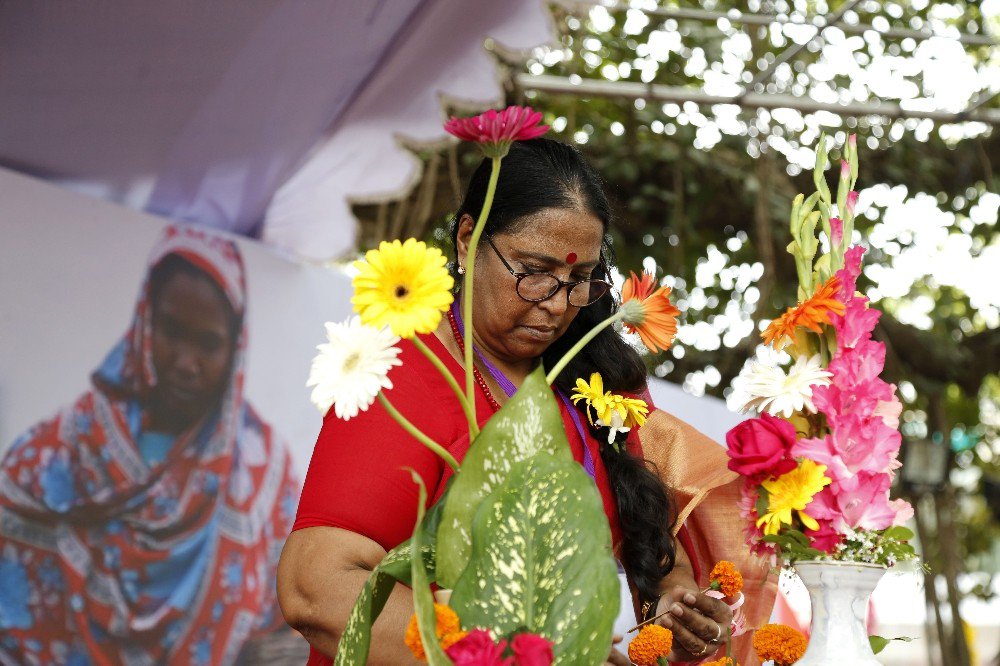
[509,388]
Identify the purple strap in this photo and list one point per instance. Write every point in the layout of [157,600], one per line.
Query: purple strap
[509,388]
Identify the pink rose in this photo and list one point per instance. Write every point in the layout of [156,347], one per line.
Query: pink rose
[760,447]
[531,650]
[478,649]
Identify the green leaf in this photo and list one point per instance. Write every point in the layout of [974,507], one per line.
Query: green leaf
[898,532]
[529,423]
[542,560]
[423,601]
[394,568]
[878,643]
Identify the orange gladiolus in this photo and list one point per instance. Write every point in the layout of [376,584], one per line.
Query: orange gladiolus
[656,317]
[811,313]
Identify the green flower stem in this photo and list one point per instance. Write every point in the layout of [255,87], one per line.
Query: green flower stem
[568,356]
[413,430]
[470,415]
[470,266]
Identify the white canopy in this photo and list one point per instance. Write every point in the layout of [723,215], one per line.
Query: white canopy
[260,118]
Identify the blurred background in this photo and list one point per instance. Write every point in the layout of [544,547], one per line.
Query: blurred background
[314,132]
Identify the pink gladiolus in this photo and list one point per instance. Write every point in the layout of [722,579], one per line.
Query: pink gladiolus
[845,169]
[495,131]
[852,141]
[852,202]
[889,410]
[836,231]
[904,511]
[825,538]
[864,501]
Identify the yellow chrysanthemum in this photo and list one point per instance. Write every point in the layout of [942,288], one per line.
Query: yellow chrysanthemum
[792,491]
[403,285]
[779,643]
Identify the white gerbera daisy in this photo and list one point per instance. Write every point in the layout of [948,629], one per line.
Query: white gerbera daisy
[352,367]
[770,390]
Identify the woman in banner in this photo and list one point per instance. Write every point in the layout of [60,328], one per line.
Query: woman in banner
[142,523]
[540,284]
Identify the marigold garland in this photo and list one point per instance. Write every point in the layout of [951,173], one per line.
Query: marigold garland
[726,579]
[779,643]
[446,627]
[652,643]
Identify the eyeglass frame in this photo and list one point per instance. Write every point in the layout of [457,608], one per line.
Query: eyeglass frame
[560,283]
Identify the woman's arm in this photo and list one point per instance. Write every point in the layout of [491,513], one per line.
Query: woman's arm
[321,573]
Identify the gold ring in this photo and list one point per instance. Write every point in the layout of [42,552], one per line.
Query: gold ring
[704,649]
[718,637]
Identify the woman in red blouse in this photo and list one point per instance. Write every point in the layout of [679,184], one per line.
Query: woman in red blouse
[539,286]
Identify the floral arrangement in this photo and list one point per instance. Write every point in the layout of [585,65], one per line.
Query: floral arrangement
[517,488]
[818,460]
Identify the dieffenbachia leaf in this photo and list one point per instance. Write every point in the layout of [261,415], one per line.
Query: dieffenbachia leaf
[541,561]
[423,601]
[528,424]
[394,568]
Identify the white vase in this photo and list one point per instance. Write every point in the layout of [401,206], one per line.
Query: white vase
[839,593]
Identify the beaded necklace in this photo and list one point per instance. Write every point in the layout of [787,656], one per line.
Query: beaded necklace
[457,330]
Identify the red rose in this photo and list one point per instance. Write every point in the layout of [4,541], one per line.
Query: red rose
[478,649]
[531,650]
[761,447]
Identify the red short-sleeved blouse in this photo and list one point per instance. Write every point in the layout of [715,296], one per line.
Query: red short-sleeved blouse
[358,480]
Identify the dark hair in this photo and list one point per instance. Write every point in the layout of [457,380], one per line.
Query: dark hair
[540,174]
[175,264]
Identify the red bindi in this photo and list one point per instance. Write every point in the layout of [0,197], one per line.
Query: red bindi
[571,258]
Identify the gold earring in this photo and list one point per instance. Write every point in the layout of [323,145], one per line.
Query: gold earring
[461,269]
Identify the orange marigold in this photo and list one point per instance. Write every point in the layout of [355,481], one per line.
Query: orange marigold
[779,643]
[726,579]
[450,639]
[652,643]
[811,313]
[446,623]
[725,661]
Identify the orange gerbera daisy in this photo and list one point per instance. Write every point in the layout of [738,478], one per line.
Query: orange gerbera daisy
[811,313]
[726,579]
[446,623]
[652,643]
[649,312]
[779,643]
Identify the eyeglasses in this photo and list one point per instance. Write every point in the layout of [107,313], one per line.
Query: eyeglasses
[538,287]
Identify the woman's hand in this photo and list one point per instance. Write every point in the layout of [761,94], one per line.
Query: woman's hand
[699,622]
[616,658]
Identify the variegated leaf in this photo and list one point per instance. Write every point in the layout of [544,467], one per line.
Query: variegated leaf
[528,424]
[423,601]
[542,560]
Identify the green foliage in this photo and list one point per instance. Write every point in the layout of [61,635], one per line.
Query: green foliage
[395,567]
[541,560]
[528,424]
[879,643]
[423,601]
[794,546]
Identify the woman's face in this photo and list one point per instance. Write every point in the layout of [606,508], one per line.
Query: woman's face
[563,242]
[192,349]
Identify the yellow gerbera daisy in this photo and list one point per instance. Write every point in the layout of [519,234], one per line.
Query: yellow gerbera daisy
[404,286]
[633,411]
[792,492]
